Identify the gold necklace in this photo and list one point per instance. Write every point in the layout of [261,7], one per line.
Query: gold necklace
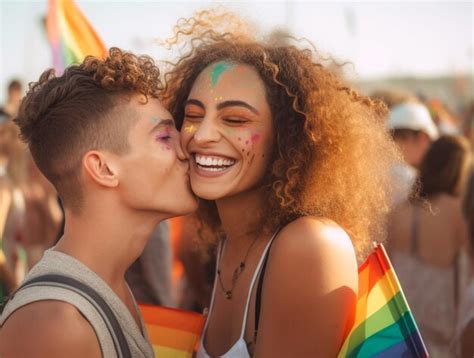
[236,274]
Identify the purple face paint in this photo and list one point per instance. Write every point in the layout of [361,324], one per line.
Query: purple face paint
[162,136]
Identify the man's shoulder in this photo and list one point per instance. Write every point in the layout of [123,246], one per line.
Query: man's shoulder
[49,328]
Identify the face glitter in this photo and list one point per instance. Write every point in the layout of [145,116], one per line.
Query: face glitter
[190,128]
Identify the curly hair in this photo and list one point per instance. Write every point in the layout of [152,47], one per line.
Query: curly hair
[332,154]
[61,118]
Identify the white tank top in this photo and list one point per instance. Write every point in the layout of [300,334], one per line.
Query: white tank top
[239,349]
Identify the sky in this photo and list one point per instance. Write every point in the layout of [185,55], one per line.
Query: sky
[381,39]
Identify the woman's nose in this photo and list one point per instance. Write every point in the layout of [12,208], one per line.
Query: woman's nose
[206,132]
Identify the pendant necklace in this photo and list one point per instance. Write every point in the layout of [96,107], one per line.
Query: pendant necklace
[235,275]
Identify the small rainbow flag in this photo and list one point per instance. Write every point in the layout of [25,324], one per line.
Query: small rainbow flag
[173,333]
[384,325]
[71,36]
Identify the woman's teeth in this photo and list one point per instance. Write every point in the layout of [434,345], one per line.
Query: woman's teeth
[212,163]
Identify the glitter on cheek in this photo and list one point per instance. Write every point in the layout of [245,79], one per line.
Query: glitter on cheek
[190,128]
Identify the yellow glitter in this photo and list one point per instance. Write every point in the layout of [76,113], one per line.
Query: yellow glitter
[189,128]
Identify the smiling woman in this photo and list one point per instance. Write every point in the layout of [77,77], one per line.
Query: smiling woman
[286,157]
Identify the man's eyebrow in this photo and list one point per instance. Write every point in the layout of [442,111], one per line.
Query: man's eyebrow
[235,103]
[195,102]
[162,122]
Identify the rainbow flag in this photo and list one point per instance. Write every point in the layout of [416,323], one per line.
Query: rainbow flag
[384,325]
[71,36]
[173,333]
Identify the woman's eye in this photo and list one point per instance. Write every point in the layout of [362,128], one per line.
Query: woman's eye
[235,120]
[192,116]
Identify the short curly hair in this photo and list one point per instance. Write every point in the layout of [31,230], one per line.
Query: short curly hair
[332,154]
[61,118]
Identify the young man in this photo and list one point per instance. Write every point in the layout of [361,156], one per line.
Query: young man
[103,139]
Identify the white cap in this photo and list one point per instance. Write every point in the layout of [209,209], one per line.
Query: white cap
[414,116]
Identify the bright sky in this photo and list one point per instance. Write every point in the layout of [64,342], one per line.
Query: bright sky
[421,38]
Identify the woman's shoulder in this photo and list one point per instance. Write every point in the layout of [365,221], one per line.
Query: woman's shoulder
[313,232]
[318,241]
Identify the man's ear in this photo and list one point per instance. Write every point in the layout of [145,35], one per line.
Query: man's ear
[101,168]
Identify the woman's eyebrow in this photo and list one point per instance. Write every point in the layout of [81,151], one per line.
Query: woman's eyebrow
[236,103]
[195,102]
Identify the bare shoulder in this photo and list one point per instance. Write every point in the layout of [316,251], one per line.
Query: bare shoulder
[48,329]
[311,286]
[315,238]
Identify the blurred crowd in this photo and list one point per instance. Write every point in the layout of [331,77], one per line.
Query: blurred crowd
[430,232]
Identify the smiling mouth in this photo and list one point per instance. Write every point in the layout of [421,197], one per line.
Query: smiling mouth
[213,163]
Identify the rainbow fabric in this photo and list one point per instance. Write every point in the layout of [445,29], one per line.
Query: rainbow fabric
[173,333]
[384,325]
[71,36]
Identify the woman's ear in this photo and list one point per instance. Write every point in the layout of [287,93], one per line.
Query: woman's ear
[100,168]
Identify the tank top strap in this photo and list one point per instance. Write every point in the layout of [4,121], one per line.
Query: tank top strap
[252,284]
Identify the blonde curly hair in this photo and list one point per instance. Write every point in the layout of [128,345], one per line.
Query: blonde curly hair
[61,118]
[332,154]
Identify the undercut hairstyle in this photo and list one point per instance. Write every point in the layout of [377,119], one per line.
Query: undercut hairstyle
[62,118]
[331,154]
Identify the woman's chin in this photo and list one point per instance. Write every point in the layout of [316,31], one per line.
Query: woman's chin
[208,193]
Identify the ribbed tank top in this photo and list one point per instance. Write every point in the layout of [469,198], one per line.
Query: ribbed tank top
[60,263]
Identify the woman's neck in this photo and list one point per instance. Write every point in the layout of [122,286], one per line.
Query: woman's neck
[239,214]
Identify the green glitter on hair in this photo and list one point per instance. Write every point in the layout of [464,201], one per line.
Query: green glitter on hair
[218,70]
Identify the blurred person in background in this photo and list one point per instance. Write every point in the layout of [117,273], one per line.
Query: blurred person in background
[12,206]
[463,341]
[413,131]
[428,239]
[43,216]
[14,94]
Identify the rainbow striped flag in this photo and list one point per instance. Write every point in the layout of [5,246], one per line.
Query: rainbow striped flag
[384,325]
[173,333]
[71,36]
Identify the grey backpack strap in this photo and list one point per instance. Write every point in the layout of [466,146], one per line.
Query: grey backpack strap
[95,299]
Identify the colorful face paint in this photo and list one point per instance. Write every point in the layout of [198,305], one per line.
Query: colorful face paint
[154,120]
[190,128]
[163,135]
[218,70]
[255,137]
